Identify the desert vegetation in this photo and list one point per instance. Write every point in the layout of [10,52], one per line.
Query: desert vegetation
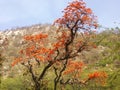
[68,55]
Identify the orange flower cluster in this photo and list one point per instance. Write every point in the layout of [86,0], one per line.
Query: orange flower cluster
[46,54]
[41,54]
[28,50]
[75,11]
[16,61]
[61,40]
[73,66]
[35,37]
[97,75]
[40,50]
[85,18]
[77,4]
[58,44]
[89,11]
[35,50]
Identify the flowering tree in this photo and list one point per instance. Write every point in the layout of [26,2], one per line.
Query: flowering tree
[78,21]
[73,36]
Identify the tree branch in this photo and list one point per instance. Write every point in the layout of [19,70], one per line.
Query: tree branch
[45,69]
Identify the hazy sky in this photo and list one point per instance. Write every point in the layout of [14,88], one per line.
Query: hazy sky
[17,13]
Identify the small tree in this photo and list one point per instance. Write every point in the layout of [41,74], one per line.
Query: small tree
[73,36]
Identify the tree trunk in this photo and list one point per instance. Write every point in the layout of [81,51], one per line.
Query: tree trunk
[55,85]
[37,86]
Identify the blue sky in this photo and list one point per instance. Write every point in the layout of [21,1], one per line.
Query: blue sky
[18,13]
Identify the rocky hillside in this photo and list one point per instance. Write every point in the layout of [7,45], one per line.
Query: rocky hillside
[14,36]
[11,41]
